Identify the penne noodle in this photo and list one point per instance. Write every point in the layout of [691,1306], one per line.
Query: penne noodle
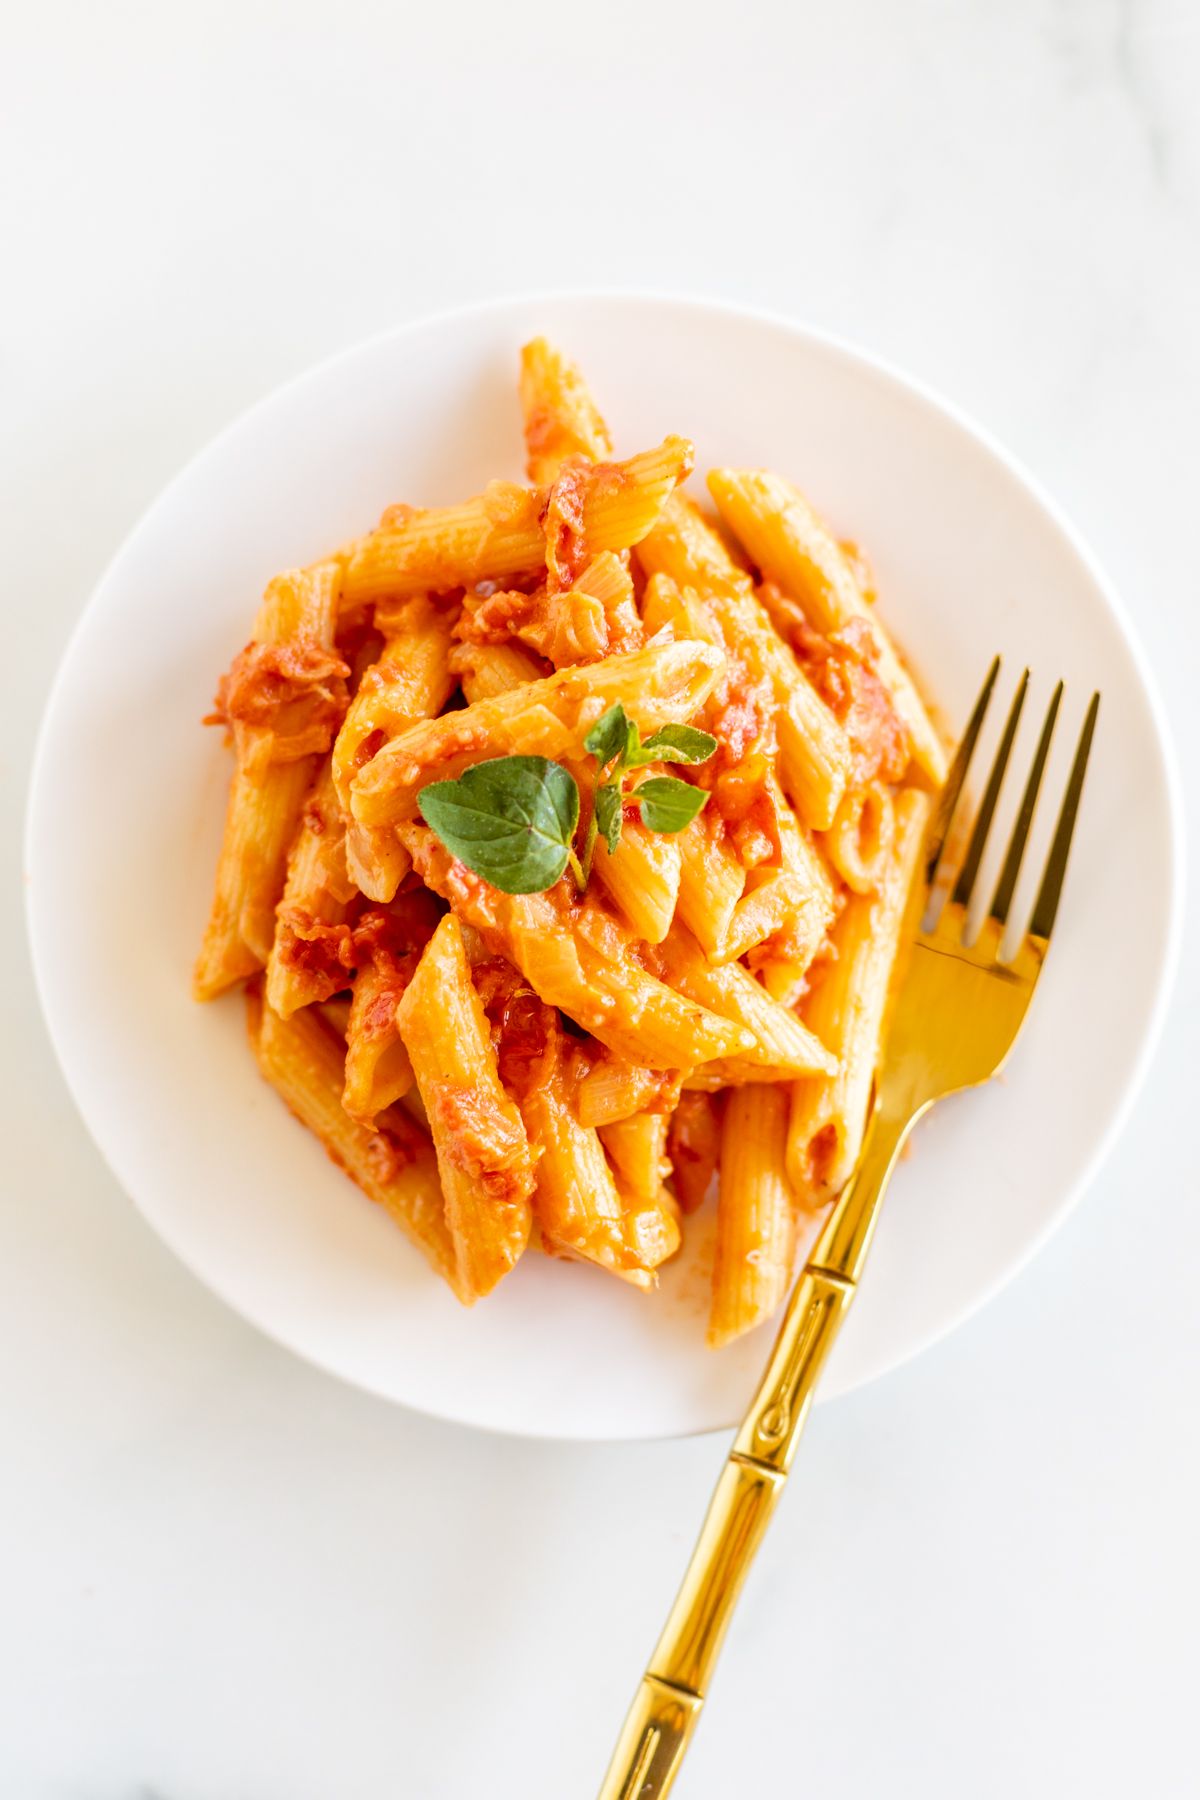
[561,419]
[607,579]
[652,1226]
[756,1227]
[411,680]
[690,552]
[496,536]
[375,858]
[311,956]
[502,534]
[642,876]
[394,1166]
[488,670]
[579,1209]
[378,1070]
[260,823]
[772,904]
[482,1150]
[859,842]
[664,609]
[613,1089]
[578,1206]
[814,751]
[783,1046]
[782,959]
[282,699]
[664,683]
[792,547]
[711,880]
[784,977]
[637,1150]
[846,1010]
[603,594]
[621,501]
[694,1147]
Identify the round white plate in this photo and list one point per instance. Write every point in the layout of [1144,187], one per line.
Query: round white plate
[128,795]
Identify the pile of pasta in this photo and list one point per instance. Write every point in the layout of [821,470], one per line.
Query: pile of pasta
[572,1069]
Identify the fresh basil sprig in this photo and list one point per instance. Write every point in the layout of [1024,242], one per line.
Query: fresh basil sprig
[513,819]
[667,804]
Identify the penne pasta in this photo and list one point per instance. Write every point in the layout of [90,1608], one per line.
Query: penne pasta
[782,1047]
[846,1011]
[814,751]
[394,1166]
[652,1225]
[711,880]
[282,700]
[791,545]
[637,1149]
[664,683]
[378,1071]
[482,1150]
[642,876]
[782,959]
[387,946]
[411,680]
[770,905]
[859,842]
[311,956]
[613,1089]
[756,1227]
[694,1147]
[509,531]
[561,418]
[487,670]
[578,1207]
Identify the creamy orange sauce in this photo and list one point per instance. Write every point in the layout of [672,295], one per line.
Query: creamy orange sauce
[296,691]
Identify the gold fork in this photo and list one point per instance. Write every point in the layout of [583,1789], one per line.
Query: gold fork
[955,1015]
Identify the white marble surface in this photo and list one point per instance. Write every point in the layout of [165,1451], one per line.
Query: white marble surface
[226,1577]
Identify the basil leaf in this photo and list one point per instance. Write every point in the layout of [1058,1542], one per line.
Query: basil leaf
[609,802]
[614,735]
[676,744]
[668,804]
[510,820]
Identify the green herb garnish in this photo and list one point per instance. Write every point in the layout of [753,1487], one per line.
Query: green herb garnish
[513,819]
[667,804]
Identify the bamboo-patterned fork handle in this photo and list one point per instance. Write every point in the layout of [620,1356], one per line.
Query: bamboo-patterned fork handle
[663,1716]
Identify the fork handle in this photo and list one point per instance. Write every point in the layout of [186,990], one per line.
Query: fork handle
[665,1710]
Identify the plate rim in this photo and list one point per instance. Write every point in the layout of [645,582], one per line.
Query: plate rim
[846,351]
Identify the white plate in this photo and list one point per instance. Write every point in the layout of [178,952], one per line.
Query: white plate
[128,794]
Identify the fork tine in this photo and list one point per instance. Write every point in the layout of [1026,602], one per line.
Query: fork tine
[983,823]
[1046,905]
[1010,873]
[943,812]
